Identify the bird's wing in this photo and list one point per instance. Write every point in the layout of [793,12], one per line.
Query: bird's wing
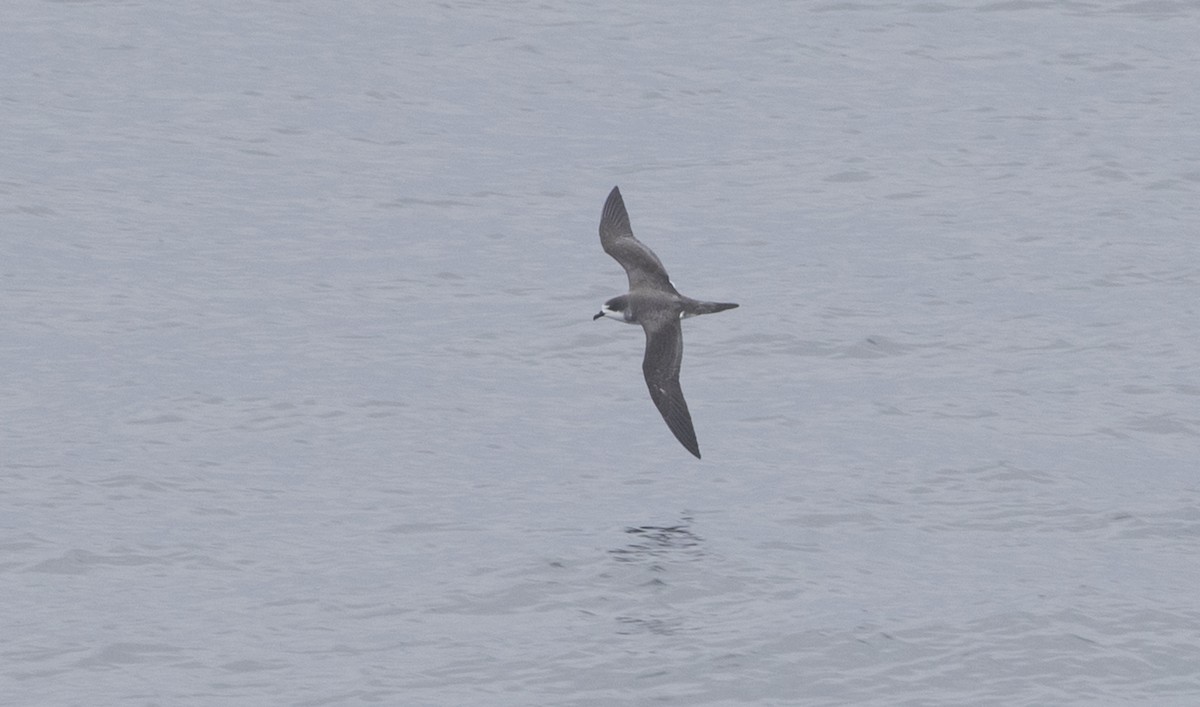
[664,354]
[641,264]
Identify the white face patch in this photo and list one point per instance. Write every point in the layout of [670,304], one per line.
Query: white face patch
[613,314]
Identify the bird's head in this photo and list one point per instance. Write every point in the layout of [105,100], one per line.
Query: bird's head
[616,308]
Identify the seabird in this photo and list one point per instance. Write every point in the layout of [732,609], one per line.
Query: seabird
[653,302]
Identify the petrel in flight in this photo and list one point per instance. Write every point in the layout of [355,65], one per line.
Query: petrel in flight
[653,302]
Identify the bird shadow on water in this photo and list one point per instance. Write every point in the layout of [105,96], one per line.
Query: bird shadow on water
[656,542]
[654,550]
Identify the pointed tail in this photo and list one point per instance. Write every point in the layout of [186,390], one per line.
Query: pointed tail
[710,307]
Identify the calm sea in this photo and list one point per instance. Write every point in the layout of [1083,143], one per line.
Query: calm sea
[302,403]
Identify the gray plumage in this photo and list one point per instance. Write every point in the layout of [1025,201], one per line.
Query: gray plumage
[655,304]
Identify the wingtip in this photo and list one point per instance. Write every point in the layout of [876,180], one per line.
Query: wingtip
[614,197]
[614,220]
[689,443]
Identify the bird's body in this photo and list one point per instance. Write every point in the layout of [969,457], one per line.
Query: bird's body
[655,304]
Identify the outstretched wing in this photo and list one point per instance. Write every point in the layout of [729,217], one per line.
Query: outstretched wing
[664,354]
[641,264]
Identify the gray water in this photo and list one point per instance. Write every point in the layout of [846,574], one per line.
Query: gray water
[302,403]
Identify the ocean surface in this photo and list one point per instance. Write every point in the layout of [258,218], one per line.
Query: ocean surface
[302,403]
